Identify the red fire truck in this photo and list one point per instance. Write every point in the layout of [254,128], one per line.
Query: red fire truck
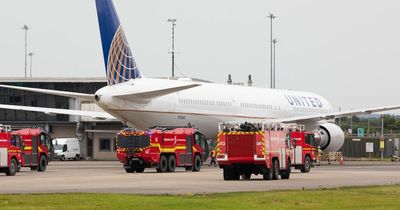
[36,147]
[163,148]
[304,148]
[245,148]
[10,152]
[23,148]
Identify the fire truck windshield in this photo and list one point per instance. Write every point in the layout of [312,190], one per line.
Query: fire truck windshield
[133,142]
[201,140]
[310,139]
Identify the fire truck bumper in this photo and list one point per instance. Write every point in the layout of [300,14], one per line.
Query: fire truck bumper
[135,161]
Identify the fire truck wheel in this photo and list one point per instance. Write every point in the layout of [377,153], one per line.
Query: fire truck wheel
[171,163]
[246,176]
[285,174]
[42,163]
[307,165]
[197,163]
[228,173]
[128,170]
[163,164]
[268,175]
[235,174]
[275,169]
[12,170]
[140,169]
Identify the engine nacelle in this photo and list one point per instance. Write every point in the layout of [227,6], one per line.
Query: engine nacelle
[331,137]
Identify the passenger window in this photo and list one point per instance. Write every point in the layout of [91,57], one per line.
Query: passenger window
[65,148]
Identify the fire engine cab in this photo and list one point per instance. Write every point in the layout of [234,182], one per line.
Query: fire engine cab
[164,148]
[36,147]
[304,148]
[247,148]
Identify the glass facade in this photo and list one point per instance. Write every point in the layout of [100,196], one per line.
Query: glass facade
[25,98]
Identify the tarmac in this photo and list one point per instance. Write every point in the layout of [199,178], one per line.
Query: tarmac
[110,177]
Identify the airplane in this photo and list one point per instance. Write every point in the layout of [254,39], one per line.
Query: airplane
[144,102]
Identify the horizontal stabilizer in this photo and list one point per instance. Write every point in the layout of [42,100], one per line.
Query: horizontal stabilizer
[80,96]
[53,111]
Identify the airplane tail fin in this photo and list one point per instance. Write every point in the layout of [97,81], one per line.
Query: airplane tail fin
[118,58]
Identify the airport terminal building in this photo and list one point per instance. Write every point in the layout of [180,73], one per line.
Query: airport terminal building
[96,136]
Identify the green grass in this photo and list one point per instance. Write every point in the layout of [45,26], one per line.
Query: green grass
[376,197]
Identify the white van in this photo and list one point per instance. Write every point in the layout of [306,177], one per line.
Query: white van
[67,148]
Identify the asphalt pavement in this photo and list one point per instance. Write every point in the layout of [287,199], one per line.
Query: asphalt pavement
[110,177]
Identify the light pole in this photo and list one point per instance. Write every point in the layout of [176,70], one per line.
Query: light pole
[274,41]
[173,45]
[30,64]
[382,141]
[26,28]
[272,17]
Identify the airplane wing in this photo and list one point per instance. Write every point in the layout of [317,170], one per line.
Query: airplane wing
[51,111]
[81,96]
[333,115]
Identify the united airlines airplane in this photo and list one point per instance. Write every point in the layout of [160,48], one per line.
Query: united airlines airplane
[145,102]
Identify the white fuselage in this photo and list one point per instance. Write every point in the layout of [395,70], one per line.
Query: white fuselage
[206,105]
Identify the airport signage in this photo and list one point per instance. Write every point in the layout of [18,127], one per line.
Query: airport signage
[360,132]
[382,144]
[369,147]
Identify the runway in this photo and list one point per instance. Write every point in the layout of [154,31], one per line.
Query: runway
[110,177]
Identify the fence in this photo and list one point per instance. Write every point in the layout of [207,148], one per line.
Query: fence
[354,147]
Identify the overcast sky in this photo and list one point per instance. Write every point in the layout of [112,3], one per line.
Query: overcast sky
[346,51]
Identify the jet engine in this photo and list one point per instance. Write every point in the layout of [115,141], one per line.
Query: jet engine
[331,137]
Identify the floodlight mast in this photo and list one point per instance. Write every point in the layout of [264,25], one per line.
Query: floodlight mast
[173,21]
[30,64]
[26,28]
[272,17]
[274,41]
